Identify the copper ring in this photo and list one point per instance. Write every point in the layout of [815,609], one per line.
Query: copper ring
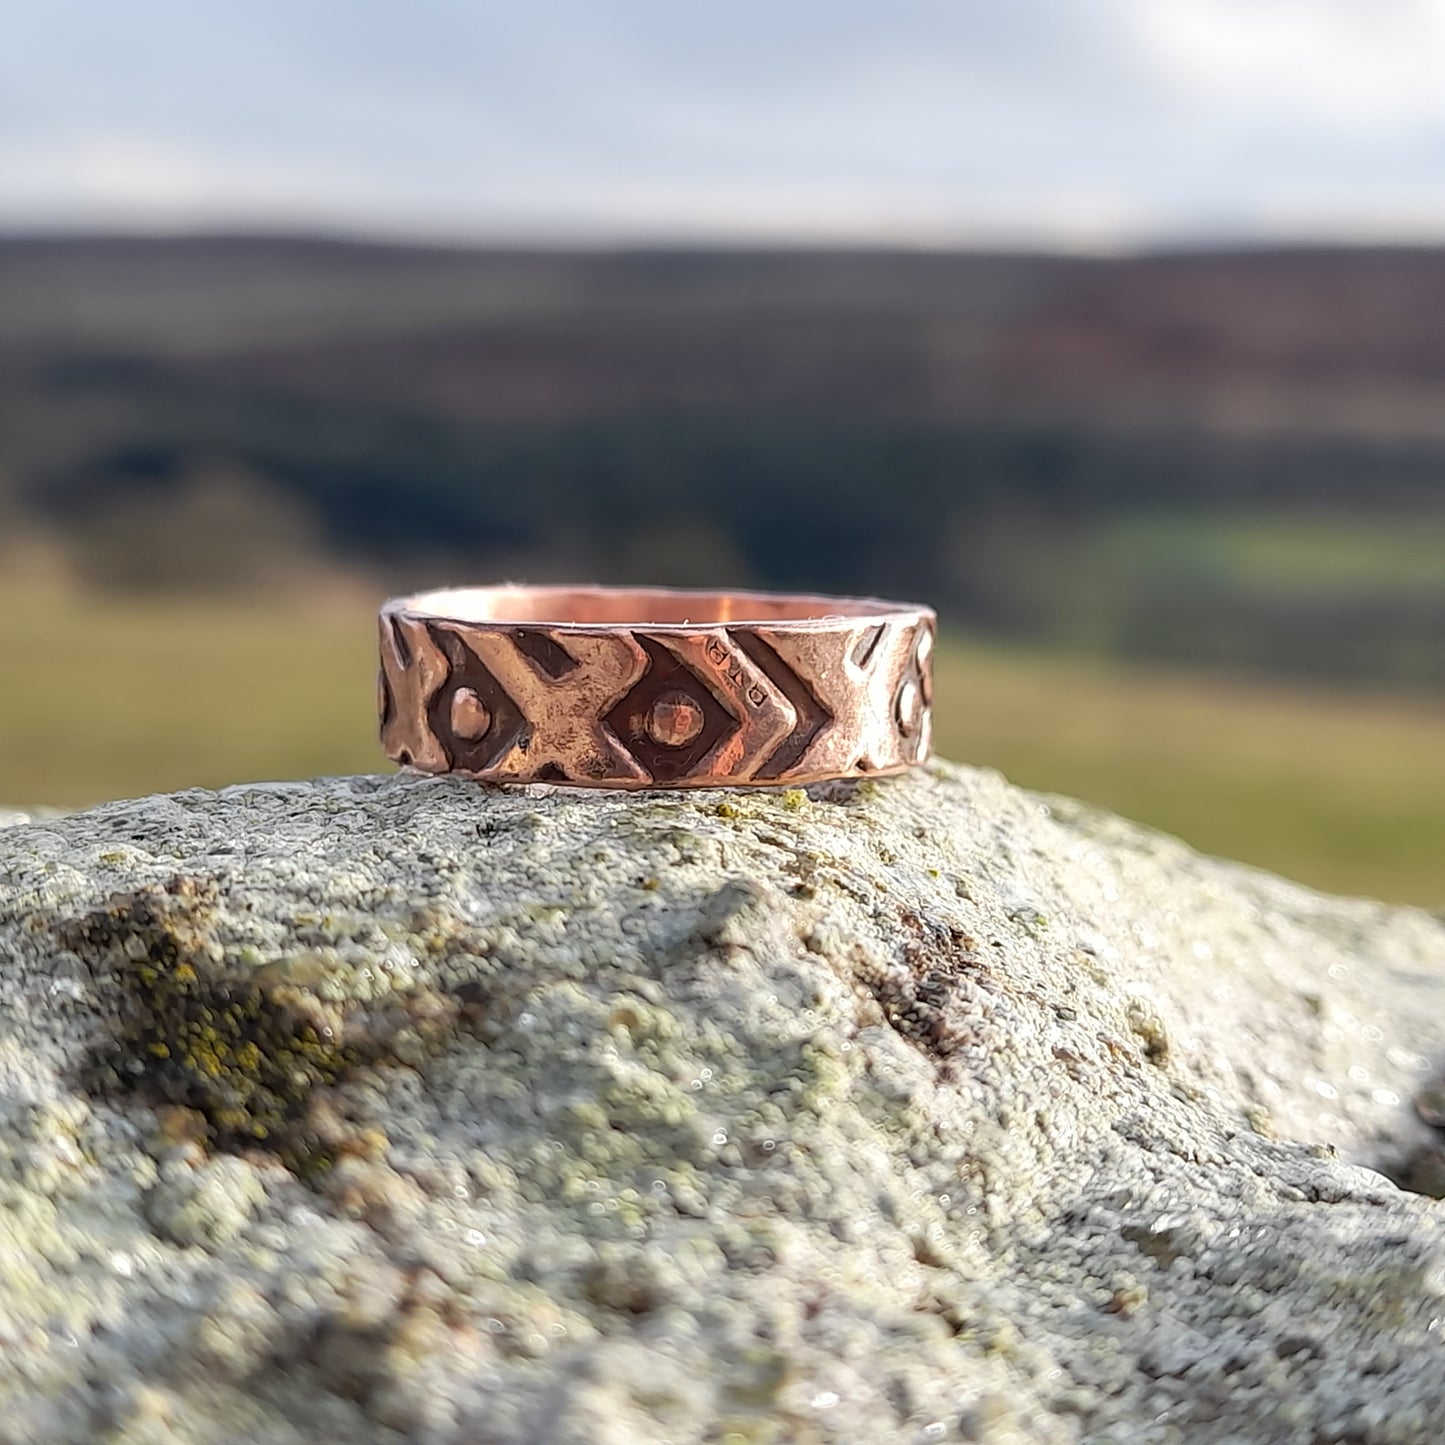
[606,687]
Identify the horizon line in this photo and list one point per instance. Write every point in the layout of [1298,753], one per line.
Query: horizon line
[559,241]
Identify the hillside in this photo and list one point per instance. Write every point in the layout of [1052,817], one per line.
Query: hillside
[1227,458]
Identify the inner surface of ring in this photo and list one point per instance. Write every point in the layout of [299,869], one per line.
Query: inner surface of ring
[628,606]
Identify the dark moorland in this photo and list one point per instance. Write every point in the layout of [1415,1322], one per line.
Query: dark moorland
[1232,459]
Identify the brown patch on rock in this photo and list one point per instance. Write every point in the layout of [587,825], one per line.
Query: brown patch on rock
[1149,1029]
[930,994]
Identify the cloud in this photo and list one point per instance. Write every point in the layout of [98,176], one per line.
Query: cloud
[1084,122]
[1354,69]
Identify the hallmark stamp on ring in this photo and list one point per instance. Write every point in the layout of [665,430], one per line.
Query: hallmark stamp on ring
[732,670]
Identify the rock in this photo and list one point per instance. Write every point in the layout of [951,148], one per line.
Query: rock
[13,817]
[204,1204]
[918,1110]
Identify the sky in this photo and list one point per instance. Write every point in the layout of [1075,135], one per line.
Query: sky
[1073,123]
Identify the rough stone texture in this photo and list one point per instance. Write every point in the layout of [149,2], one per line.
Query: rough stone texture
[12,817]
[381,1109]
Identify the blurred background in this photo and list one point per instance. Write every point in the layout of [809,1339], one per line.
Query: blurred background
[1114,329]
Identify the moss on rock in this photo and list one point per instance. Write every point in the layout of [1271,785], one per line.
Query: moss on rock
[247,1048]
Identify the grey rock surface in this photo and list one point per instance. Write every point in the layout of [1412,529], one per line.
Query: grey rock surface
[12,817]
[924,1110]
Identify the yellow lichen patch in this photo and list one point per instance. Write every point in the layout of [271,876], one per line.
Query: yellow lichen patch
[248,1049]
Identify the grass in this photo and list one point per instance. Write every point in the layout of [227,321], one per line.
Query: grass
[1338,555]
[1343,791]
[123,698]
[116,699]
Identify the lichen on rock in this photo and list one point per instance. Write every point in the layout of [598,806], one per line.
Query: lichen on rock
[248,1047]
[923,1110]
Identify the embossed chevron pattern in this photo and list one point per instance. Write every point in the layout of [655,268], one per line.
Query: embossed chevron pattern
[663,704]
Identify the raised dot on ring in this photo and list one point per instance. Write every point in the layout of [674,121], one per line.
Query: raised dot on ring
[470,717]
[674,720]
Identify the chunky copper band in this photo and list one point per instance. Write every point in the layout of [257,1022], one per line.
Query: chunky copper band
[615,688]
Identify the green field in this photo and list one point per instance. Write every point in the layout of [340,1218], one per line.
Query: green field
[1335,555]
[121,698]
